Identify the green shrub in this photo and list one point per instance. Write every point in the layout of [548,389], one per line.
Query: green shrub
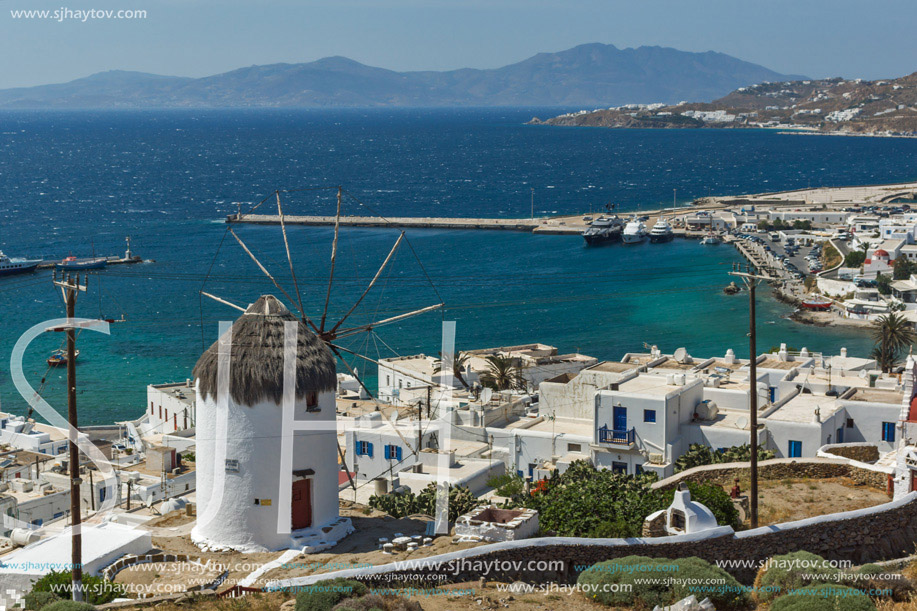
[870,569]
[587,502]
[399,505]
[97,591]
[787,572]
[36,600]
[649,582]
[68,605]
[824,597]
[374,602]
[326,594]
[507,484]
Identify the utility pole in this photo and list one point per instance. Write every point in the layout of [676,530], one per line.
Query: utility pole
[70,287]
[429,400]
[674,200]
[419,427]
[751,282]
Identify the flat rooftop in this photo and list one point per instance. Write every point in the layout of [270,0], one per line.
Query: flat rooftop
[671,363]
[178,390]
[569,426]
[419,363]
[611,367]
[801,408]
[877,395]
[653,385]
[775,363]
[725,419]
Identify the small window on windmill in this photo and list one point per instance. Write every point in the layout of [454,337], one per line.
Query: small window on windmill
[312,401]
[232,465]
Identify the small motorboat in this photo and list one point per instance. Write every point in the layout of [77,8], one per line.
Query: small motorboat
[72,263]
[711,239]
[59,357]
[817,303]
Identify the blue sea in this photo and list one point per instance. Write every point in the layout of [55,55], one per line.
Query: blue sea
[79,182]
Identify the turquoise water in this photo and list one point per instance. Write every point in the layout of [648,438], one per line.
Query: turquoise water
[77,181]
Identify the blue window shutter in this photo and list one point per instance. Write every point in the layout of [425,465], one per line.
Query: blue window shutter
[398,452]
[369,449]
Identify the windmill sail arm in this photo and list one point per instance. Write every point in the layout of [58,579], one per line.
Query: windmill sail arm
[387,321]
[223,301]
[336,347]
[261,267]
[372,282]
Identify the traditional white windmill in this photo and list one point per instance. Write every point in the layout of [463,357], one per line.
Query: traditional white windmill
[267,451]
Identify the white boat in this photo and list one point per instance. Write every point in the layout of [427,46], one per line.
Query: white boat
[634,232]
[9,266]
[661,232]
[711,239]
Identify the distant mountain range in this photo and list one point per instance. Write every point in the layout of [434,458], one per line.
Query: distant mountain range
[886,107]
[590,74]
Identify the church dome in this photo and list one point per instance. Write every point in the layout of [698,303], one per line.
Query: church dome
[256,370]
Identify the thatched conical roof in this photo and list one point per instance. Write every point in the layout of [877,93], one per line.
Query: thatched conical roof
[256,371]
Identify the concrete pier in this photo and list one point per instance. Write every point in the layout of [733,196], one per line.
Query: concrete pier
[561,225]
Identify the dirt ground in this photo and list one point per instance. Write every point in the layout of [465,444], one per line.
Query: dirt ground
[360,549]
[797,499]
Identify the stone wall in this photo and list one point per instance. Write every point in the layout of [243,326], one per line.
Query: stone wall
[878,533]
[777,469]
[860,452]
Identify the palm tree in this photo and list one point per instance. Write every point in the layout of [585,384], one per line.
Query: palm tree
[893,334]
[459,361]
[502,374]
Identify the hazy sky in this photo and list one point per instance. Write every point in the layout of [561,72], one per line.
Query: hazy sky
[818,38]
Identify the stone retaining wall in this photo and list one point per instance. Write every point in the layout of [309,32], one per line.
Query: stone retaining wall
[777,469]
[860,452]
[127,561]
[873,534]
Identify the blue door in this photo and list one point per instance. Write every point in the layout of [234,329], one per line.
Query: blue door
[620,418]
[840,435]
[795,449]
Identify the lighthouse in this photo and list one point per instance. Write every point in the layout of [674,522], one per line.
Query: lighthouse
[266,439]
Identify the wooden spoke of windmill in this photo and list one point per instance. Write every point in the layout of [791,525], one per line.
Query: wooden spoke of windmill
[323,329]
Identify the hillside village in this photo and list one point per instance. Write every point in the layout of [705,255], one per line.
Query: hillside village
[260,487]
[885,107]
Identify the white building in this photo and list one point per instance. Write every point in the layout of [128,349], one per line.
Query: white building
[267,470]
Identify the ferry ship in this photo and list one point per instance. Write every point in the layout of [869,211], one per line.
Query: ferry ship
[9,266]
[634,232]
[661,232]
[603,231]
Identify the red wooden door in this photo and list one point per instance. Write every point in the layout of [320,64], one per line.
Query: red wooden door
[302,504]
[913,481]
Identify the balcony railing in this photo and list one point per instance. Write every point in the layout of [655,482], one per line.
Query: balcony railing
[611,436]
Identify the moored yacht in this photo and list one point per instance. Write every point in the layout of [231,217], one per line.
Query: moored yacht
[711,239]
[661,232]
[603,230]
[634,232]
[9,266]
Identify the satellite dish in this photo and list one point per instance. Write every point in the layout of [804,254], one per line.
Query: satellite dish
[681,355]
[486,395]
[864,374]
[742,422]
